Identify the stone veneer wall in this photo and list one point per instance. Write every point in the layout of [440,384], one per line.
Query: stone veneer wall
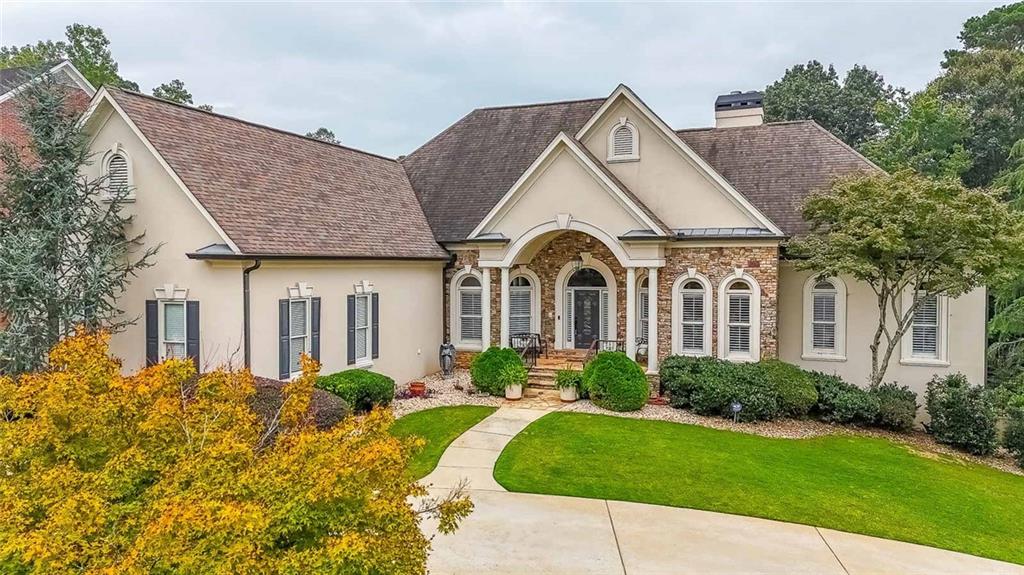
[718,263]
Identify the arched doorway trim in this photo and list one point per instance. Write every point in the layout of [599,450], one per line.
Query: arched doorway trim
[562,334]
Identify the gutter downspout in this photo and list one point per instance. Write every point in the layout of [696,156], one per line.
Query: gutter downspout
[246,315]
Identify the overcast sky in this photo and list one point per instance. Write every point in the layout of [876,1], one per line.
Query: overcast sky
[388,77]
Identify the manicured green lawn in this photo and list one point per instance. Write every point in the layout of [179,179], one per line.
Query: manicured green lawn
[439,426]
[857,484]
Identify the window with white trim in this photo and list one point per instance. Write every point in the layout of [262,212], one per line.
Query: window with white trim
[824,298]
[692,312]
[643,314]
[173,330]
[362,327]
[298,332]
[738,314]
[925,328]
[470,310]
[623,142]
[520,319]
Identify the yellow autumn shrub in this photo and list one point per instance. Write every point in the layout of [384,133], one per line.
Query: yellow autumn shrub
[165,471]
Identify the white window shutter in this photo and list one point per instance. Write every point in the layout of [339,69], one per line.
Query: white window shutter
[570,327]
[925,332]
[520,304]
[117,173]
[622,141]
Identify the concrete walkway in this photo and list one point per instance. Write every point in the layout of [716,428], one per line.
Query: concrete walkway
[520,533]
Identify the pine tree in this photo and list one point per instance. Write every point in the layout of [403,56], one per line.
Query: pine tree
[65,254]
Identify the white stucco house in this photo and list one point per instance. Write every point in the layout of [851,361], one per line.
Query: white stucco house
[580,221]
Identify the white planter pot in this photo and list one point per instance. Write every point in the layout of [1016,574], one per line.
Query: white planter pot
[514,392]
[568,394]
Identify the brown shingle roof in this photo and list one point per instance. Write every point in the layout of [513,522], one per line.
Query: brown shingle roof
[777,165]
[277,193]
[461,173]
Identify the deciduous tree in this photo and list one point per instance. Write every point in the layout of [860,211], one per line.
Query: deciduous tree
[86,46]
[909,236]
[165,471]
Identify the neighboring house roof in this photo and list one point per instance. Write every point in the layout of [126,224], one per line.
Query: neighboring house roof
[777,165]
[462,173]
[275,193]
[11,78]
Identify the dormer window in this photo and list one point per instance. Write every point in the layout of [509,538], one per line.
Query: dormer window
[118,172]
[623,142]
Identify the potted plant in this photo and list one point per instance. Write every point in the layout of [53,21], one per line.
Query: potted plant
[568,383]
[513,378]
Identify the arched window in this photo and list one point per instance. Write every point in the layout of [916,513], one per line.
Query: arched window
[693,318]
[520,318]
[470,310]
[623,142]
[824,319]
[740,318]
[587,277]
[117,170]
[643,308]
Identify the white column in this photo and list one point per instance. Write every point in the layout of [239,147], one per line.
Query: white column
[652,320]
[631,313]
[485,309]
[504,308]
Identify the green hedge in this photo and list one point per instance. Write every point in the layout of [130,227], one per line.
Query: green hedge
[897,406]
[962,415]
[842,402]
[794,387]
[361,389]
[616,382]
[486,369]
[1014,438]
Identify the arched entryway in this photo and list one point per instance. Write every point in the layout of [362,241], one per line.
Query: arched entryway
[586,303]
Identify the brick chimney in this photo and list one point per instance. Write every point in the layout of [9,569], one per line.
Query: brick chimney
[739,109]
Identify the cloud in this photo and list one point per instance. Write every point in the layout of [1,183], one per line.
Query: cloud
[387,77]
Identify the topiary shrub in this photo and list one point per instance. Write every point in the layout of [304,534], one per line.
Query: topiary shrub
[719,383]
[842,402]
[361,389]
[794,387]
[962,415]
[616,382]
[679,374]
[1014,437]
[486,369]
[897,406]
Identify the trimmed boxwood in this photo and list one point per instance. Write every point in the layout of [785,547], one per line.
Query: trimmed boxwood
[842,402]
[794,387]
[487,368]
[616,382]
[962,415]
[679,375]
[361,389]
[722,383]
[897,406]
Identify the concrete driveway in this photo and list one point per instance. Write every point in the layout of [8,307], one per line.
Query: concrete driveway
[521,533]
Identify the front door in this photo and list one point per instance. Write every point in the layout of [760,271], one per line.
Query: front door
[586,317]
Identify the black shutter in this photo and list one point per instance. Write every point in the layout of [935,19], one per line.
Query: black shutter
[192,332]
[351,320]
[314,327]
[375,335]
[152,332]
[282,349]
